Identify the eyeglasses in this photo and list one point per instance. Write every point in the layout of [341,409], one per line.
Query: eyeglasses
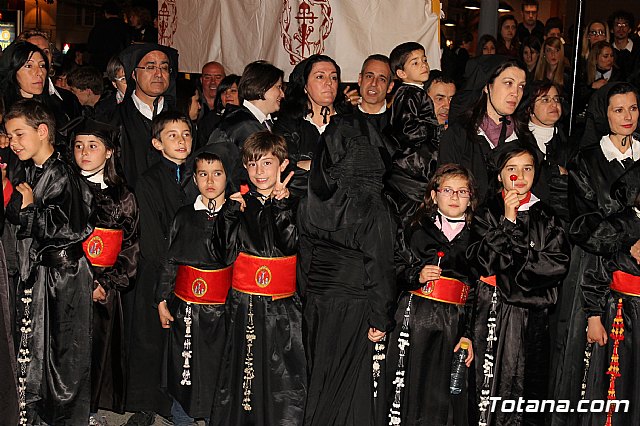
[123,78]
[622,24]
[164,68]
[448,192]
[548,99]
[596,33]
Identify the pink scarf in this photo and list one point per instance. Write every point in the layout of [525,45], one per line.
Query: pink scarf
[492,130]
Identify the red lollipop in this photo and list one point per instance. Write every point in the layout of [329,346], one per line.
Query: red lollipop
[513,179]
[440,256]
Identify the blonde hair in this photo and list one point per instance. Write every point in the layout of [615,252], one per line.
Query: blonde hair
[544,67]
[586,47]
[592,60]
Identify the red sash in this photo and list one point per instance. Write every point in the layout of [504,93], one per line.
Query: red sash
[447,290]
[625,283]
[265,276]
[489,280]
[201,286]
[103,246]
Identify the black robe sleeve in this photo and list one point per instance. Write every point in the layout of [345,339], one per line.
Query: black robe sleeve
[413,119]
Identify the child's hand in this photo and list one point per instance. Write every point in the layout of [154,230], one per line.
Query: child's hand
[4,140]
[27,194]
[469,358]
[238,198]
[511,204]
[429,273]
[596,332]
[99,295]
[280,191]
[165,316]
[375,335]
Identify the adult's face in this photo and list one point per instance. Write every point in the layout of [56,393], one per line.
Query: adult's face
[622,114]
[508,30]
[441,95]
[530,56]
[322,84]
[530,15]
[554,32]
[273,97]
[596,33]
[44,45]
[604,61]
[152,74]
[489,48]
[547,108]
[375,82]
[212,75]
[31,76]
[552,55]
[621,29]
[506,91]
[230,96]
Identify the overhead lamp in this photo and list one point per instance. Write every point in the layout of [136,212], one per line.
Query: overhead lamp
[471,5]
[449,23]
[504,7]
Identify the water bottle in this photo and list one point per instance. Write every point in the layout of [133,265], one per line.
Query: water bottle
[458,368]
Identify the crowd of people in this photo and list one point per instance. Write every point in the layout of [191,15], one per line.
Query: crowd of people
[263,249]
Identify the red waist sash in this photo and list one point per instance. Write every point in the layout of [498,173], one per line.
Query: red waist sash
[265,276]
[447,290]
[103,246]
[625,283]
[202,286]
[489,280]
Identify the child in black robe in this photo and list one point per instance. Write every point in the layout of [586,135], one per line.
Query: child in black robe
[434,311]
[161,191]
[519,249]
[113,251]
[262,377]
[191,295]
[51,210]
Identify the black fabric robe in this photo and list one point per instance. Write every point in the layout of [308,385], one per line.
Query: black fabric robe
[159,198]
[379,121]
[601,301]
[414,129]
[190,245]
[278,389]
[8,384]
[435,328]
[116,208]
[346,265]
[57,377]
[529,258]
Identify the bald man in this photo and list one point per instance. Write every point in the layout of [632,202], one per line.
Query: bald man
[212,75]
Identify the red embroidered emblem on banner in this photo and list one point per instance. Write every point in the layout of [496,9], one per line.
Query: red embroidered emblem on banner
[305,28]
[95,246]
[263,276]
[199,287]
[167,22]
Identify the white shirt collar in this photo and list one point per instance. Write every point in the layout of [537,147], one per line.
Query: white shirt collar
[53,90]
[256,111]
[321,129]
[526,206]
[144,108]
[382,110]
[606,75]
[628,47]
[97,178]
[611,152]
[199,205]
[508,139]
[421,86]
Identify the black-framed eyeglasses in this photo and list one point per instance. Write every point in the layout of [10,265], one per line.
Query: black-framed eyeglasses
[449,192]
[597,33]
[164,68]
[548,99]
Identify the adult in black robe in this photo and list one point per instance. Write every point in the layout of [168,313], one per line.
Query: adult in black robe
[434,327]
[159,198]
[349,274]
[58,276]
[137,154]
[190,245]
[529,259]
[266,228]
[591,177]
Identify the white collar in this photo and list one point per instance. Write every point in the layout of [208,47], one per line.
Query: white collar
[508,139]
[606,75]
[628,47]
[382,110]
[526,206]
[53,90]
[611,152]
[321,128]
[420,86]
[144,108]
[543,135]
[199,205]
[97,178]
[256,111]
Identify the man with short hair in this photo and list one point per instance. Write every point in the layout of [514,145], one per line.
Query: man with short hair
[621,24]
[212,75]
[376,82]
[441,90]
[530,26]
[88,86]
[553,28]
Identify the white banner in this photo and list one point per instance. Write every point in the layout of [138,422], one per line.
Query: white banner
[236,32]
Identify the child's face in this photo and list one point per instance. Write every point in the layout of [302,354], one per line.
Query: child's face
[90,153]
[211,180]
[453,196]
[523,167]
[29,143]
[175,142]
[415,69]
[265,172]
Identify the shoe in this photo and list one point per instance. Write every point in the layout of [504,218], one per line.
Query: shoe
[141,418]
